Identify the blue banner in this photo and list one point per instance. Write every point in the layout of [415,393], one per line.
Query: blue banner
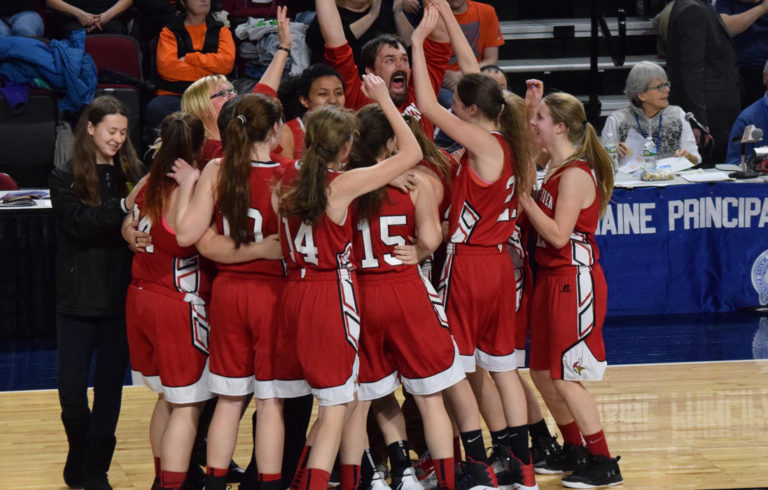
[685,248]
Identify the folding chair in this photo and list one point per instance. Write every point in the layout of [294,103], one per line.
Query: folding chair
[118,59]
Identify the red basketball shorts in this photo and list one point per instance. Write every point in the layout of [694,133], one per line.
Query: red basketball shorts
[404,334]
[567,328]
[168,342]
[318,331]
[480,305]
[243,329]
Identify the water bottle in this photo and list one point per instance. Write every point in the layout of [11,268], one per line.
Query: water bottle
[613,152]
[649,155]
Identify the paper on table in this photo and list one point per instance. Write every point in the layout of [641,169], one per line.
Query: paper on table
[634,159]
[673,164]
[708,176]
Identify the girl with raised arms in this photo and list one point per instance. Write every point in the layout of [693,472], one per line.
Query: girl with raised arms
[475,285]
[318,316]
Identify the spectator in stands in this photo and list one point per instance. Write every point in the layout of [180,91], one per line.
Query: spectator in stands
[90,197]
[384,56]
[649,112]
[497,74]
[756,114]
[747,22]
[96,16]
[191,46]
[481,27]
[362,20]
[207,96]
[703,67]
[204,98]
[19,18]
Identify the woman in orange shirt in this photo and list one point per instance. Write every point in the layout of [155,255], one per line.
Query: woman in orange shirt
[192,45]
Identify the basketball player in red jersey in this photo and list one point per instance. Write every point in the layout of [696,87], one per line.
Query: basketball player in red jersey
[318,308]
[237,195]
[570,295]
[475,280]
[315,87]
[167,323]
[400,309]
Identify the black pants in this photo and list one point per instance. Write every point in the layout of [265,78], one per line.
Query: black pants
[77,339]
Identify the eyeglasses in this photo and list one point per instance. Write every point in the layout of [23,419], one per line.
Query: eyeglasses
[661,86]
[224,93]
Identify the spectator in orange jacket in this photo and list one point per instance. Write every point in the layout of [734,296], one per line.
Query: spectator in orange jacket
[191,46]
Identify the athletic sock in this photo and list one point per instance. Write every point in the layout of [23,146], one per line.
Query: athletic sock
[367,469]
[172,480]
[571,434]
[539,430]
[500,437]
[597,445]
[315,479]
[399,460]
[301,468]
[216,478]
[350,476]
[446,473]
[269,481]
[457,448]
[474,447]
[518,442]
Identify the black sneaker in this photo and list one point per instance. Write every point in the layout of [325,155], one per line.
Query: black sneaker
[499,459]
[570,458]
[599,471]
[475,475]
[543,451]
[510,471]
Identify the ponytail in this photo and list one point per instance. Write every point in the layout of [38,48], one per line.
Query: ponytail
[329,128]
[513,122]
[567,109]
[375,131]
[181,136]
[429,149]
[594,153]
[254,117]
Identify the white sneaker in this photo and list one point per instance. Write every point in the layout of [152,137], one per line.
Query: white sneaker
[409,481]
[379,481]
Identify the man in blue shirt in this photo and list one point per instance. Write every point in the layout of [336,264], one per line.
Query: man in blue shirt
[756,114]
[747,22]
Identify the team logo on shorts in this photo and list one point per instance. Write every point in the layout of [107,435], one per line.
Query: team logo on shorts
[578,367]
[760,277]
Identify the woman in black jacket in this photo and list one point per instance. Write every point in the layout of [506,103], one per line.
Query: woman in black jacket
[91,196]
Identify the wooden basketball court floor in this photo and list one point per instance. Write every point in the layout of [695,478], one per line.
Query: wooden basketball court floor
[683,425]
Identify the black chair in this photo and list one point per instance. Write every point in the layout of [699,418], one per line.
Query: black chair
[118,60]
[28,140]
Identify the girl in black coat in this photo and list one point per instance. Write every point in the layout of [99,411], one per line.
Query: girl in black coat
[91,196]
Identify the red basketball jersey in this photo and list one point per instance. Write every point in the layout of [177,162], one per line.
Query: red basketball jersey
[262,219]
[483,213]
[377,235]
[581,249]
[296,126]
[323,245]
[165,263]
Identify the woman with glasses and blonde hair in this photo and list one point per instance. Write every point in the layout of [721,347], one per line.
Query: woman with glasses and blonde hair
[207,96]
[649,113]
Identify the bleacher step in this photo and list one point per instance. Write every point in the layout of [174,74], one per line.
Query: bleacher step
[571,64]
[582,27]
